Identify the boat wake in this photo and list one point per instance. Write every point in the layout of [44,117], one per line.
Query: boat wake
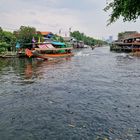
[124,55]
[82,54]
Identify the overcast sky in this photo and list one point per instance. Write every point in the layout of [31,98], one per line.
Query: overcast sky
[87,16]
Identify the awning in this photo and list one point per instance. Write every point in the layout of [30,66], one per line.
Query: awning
[58,43]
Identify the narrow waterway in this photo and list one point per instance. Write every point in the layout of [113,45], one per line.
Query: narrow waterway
[94,95]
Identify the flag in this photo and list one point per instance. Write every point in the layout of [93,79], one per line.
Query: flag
[33,40]
[39,40]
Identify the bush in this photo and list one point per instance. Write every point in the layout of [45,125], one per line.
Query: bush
[3,46]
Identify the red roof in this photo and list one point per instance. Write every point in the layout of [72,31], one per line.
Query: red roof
[43,33]
[134,35]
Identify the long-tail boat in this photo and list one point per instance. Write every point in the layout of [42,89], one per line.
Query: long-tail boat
[51,50]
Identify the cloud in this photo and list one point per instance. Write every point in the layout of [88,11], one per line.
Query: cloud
[87,16]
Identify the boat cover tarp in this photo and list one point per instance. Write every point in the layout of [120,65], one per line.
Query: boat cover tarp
[43,46]
[58,43]
[17,45]
[50,46]
[53,49]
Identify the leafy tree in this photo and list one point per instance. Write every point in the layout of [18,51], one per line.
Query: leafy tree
[4,46]
[7,40]
[25,34]
[82,37]
[0,29]
[77,35]
[10,39]
[120,35]
[1,34]
[128,9]
[86,39]
[57,38]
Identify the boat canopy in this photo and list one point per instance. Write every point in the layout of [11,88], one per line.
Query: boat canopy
[53,49]
[58,43]
[45,46]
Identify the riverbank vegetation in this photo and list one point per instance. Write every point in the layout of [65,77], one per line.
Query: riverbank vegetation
[25,35]
[7,40]
[86,39]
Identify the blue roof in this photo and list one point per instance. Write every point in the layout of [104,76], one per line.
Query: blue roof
[58,43]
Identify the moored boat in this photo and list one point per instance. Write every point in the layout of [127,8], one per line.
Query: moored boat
[48,51]
[51,56]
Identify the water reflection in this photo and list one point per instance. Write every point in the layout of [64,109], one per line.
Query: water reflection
[28,71]
[28,68]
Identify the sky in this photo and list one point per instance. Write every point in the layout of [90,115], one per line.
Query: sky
[86,16]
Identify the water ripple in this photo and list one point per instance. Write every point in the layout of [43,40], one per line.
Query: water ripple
[93,95]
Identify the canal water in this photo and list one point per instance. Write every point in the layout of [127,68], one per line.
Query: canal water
[94,95]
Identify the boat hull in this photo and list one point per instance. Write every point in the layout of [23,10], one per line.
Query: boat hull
[52,56]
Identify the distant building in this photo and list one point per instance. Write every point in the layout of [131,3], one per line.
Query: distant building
[110,39]
[69,39]
[132,38]
[124,35]
[45,34]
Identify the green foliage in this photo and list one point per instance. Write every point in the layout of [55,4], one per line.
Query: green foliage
[128,9]
[120,35]
[2,49]
[25,34]
[82,37]
[0,29]
[77,35]
[86,39]
[7,40]
[57,38]
[3,46]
